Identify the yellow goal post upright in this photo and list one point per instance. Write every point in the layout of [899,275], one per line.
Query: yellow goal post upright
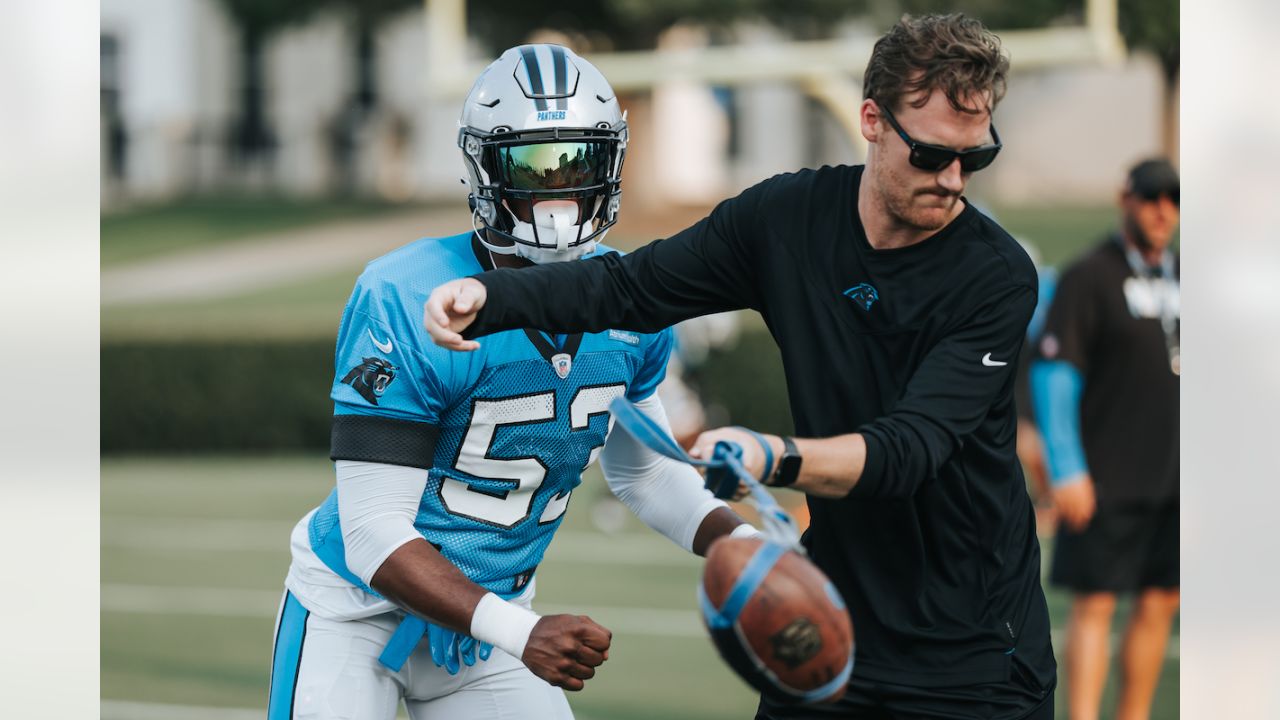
[829,71]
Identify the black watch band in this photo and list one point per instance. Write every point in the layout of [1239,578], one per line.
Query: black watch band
[788,467]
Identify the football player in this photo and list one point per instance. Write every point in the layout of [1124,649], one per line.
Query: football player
[414,580]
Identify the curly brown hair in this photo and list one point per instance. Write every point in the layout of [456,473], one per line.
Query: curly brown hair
[952,53]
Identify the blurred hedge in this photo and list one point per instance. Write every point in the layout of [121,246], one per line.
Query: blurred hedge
[215,396]
[243,396]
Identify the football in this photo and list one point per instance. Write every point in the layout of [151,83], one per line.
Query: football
[777,620]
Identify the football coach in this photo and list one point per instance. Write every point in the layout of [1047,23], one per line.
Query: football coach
[900,311]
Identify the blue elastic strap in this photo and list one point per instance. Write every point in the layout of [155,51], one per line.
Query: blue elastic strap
[650,433]
[724,470]
[765,557]
[829,689]
[1056,387]
[721,468]
[768,454]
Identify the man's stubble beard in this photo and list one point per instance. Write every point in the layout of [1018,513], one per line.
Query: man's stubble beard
[899,204]
[904,212]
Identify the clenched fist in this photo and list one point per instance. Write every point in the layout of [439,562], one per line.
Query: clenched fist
[565,650]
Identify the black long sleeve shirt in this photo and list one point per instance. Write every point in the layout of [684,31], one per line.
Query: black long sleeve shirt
[935,548]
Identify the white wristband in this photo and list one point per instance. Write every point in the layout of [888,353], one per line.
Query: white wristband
[502,624]
[745,530]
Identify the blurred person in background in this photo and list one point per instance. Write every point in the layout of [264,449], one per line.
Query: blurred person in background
[1105,389]
[1030,444]
[900,311]
[695,338]
[413,581]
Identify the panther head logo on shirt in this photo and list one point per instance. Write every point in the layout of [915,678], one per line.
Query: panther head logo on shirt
[862,294]
[371,378]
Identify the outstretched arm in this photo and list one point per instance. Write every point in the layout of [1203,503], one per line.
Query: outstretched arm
[704,269]
[831,467]
[946,399]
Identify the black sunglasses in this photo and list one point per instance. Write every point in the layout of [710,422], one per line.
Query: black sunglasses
[1154,195]
[936,158]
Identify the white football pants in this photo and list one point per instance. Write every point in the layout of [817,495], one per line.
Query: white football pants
[329,670]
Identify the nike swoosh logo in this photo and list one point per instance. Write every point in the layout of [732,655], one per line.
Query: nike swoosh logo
[986,360]
[384,347]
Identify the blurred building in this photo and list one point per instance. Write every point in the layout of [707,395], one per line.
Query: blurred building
[167,69]
[336,113]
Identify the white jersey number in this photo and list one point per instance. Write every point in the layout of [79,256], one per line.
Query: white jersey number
[526,474]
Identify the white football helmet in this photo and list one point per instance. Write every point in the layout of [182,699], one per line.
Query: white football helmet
[543,139]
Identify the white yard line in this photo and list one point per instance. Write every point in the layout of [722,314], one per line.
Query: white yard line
[127,710]
[230,535]
[161,600]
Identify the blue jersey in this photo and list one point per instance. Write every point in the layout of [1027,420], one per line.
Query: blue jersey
[504,431]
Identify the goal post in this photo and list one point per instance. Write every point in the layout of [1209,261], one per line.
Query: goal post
[829,71]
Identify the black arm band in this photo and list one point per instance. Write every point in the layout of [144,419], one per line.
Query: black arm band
[367,438]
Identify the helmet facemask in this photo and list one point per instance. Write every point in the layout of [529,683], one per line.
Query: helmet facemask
[547,195]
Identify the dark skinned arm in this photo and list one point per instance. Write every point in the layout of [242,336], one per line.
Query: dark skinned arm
[564,650]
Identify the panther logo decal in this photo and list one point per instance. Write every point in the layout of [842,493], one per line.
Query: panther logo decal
[863,294]
[371,378]
[799,641]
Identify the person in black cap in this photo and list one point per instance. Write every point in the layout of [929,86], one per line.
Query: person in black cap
[1105,389]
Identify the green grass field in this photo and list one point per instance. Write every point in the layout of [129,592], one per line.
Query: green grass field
[194,552]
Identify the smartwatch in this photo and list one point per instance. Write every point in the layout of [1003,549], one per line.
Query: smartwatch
[788,467]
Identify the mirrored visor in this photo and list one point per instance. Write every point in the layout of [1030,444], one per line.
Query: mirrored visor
[554,165]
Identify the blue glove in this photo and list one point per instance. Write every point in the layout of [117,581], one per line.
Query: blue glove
[450,650]
[467,649]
